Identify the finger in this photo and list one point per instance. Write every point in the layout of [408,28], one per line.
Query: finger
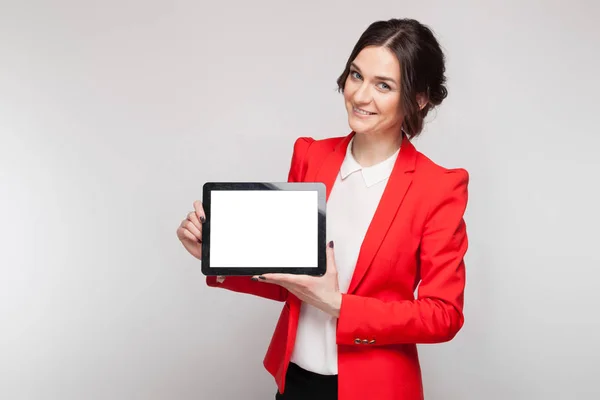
[220,278]
[331,267]
[285,285]
[188,235]
[273,278]
[261,278]
[199,211]
[188,225]
[194,220]
[265,278]
[286,279]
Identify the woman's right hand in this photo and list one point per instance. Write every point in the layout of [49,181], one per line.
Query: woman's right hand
[190,230]
[190,233]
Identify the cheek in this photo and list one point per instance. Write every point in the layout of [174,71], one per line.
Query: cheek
[346,97]
[348,93]
[390,108]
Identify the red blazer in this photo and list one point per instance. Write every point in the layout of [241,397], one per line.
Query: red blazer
[417,238]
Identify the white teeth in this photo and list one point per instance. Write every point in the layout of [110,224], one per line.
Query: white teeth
[363,112]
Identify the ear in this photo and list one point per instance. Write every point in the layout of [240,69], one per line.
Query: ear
[422,100]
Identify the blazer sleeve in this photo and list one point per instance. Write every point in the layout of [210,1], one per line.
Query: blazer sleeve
[243,284]
[437,314]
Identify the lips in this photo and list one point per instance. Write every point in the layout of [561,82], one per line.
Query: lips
[362,112]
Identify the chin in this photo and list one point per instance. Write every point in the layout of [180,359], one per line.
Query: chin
[360,126]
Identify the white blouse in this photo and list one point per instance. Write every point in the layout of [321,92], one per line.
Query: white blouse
[350,208]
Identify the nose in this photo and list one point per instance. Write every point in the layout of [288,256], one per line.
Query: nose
[362,95]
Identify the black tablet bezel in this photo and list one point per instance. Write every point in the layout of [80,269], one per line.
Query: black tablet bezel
[320,188]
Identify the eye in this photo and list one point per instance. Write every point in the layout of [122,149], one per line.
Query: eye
[385,86]
[355,74]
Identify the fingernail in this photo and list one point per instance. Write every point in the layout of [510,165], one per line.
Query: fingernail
[331,244]
[202,219]
[254,278]
[262,277]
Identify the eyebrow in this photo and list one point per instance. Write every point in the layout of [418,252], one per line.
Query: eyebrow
[381,78]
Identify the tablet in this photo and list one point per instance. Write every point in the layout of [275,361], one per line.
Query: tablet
[253,228]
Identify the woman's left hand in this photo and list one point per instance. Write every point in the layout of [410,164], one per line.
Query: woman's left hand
[321,292]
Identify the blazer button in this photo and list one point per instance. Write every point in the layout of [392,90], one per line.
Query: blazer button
[365,341]
[357,341]
[372,341]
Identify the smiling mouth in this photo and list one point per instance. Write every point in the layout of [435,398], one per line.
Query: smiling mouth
[362,112]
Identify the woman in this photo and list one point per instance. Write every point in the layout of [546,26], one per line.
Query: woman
[396,219]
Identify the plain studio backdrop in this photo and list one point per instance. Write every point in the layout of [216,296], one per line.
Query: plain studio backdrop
[113,114]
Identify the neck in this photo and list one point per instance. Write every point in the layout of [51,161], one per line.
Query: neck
[370,149]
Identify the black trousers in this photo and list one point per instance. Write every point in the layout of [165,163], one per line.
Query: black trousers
[301,384]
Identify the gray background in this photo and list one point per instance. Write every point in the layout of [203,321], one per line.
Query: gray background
[114,113]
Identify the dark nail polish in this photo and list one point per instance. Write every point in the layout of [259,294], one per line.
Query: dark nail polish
[262,277]
[331,244]
[254,278]
[202,219]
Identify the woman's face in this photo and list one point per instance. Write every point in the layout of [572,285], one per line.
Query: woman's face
[372,92]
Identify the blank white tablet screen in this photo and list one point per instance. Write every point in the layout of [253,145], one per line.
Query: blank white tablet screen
[263,228]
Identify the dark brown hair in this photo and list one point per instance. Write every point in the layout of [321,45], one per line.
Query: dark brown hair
[422,66]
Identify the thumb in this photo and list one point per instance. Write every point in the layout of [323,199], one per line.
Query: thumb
[331,267]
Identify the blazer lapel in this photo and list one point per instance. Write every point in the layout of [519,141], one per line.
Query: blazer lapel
[327,171]
[393,194]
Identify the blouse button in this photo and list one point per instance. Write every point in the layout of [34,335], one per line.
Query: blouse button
[357,341]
